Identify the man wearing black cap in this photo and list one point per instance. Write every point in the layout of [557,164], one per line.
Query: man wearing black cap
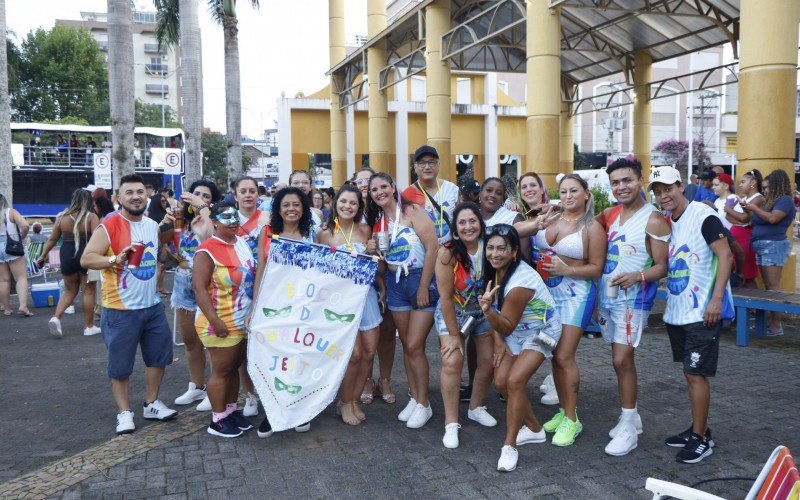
[704,191]
[440,196]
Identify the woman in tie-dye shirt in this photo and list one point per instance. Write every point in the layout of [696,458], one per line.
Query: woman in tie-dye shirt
[224,270]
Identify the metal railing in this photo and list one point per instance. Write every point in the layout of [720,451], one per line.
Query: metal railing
[156,69]
[79,157]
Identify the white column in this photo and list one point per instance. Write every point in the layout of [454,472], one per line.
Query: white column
[491,163]
[284,139]
[401,132]
[350,131]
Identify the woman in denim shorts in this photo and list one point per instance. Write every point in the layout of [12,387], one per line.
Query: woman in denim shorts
[197,228]
[459,278]
[770,222]
[527,329]
[410,256]
[345,232]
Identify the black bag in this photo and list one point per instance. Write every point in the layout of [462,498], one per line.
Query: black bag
[13,247]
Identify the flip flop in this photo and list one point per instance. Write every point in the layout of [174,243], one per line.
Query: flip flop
[24,314]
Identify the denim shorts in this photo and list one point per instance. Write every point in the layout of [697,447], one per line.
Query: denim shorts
[481,324]
[4,257]
[772,252]
[182,293]
[519,341]
[402,294]
[371,315]
[124,330]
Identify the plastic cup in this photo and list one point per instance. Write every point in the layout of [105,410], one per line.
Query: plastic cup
[135,255]
[383,241]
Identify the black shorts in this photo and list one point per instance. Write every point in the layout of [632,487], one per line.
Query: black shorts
[696,346]
[71,261]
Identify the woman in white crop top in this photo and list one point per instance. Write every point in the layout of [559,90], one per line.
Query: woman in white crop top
[575,245]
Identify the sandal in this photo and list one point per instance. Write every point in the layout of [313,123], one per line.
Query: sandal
[348,416]
[367,392]
[386,390]
[24,314]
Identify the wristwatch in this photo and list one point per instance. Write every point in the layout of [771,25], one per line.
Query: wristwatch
[112,260]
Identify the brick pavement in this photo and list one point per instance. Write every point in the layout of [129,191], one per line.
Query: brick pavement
[66,410]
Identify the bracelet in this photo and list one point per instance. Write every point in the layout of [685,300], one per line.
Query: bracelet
[641,273]
[200,207]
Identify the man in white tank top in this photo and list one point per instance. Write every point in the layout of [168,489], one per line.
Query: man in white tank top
[698,300]
[636,259]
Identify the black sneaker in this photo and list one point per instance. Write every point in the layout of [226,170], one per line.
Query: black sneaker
[465,393]
[265,429]
[695,450]
[240,421]
[224,428]
[680,440]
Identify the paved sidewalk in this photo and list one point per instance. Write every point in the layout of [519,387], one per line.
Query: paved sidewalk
[58,420]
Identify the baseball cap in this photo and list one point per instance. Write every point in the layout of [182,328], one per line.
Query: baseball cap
[470,186]
[663,175]
[425,150]
[708,175]
[726,179]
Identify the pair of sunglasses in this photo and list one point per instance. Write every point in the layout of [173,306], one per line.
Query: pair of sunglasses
[502,230]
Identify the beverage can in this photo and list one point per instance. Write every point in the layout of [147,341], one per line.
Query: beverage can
[135,255]
[50,300]
[468,326]
[383,241]
[612,291]
[545,340]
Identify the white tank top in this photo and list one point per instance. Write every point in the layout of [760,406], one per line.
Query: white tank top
[692,270]
[627,252]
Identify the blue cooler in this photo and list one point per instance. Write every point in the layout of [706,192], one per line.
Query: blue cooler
[45,294]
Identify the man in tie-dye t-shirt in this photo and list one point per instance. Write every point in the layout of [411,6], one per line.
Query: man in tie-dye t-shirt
[133,314]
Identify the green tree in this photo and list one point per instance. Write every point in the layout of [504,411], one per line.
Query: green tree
[215,158]
[62,72]
[578,161]
[149,115]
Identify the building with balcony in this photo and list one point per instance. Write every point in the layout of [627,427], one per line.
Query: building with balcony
[156,70]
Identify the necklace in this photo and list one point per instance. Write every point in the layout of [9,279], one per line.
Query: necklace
[347,238]
[568,219]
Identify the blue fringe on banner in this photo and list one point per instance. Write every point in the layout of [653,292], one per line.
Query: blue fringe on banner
[361,270]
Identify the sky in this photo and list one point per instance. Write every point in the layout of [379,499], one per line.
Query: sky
[283,47]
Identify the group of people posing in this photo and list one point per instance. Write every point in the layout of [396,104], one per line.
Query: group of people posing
[507,286]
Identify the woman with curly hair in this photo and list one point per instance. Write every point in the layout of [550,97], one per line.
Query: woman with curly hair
[770,224]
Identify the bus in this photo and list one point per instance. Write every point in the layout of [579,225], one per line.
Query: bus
[50,161]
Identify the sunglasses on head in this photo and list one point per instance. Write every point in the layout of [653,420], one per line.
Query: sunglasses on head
[502,230]
[228,217]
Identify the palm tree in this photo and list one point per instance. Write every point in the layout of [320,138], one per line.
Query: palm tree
[120,86]
[168,19]
[5,111]
[178,21]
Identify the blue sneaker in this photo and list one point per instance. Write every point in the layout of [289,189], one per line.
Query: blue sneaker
[240,420]
[224,428]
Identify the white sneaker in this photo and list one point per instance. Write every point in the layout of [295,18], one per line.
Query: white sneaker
[527,436]
[125,422]
[481,416]
[69,310]
[91,330]
[420,417]
[548,385]
[205,405]
[508,459]
[158,411]
[551,398]
[191,395]
[407,411]
[637,424]
[55,327]
[250,405]
[450,439]
[624,442]
[303,427]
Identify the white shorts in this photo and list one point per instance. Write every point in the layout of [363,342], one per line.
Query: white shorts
[614,327]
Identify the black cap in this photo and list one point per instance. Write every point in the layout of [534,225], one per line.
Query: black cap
[425,150]
[470,186]
[708,175]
